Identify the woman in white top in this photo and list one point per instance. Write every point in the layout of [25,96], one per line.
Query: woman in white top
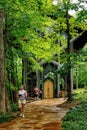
[22,94]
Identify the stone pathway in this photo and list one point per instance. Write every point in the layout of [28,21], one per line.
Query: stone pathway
[44,114]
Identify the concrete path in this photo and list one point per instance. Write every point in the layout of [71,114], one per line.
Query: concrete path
[43,114]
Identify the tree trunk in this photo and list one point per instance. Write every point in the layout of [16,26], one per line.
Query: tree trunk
[2,67]
[76,77]
[24,73]
[11,73]
[76,81]
[69,90]
[7,103]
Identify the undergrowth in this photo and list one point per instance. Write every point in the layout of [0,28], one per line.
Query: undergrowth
[8,116]
[76,118]
[5,117]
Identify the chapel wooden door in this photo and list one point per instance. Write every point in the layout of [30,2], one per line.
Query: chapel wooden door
[48,89]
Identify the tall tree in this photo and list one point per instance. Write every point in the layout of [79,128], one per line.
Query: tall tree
[2,66]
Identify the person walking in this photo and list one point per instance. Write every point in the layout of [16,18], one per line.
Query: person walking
[36,93]
[22,94]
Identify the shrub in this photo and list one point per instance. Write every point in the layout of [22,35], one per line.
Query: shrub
[14,107]
[5,117]
[76,118]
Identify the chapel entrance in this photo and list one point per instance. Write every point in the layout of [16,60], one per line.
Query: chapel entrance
[48,89]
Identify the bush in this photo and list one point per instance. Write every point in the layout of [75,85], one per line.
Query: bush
[14,107]
[5,117]
[76,118]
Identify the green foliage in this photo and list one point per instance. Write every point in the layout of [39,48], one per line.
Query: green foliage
[50,75]
[35,30]
[34,26]
[14,107]
[80,67]
[81,94]
[5,117]
[76,118]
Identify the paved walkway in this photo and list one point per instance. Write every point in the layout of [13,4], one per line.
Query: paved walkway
[44,114]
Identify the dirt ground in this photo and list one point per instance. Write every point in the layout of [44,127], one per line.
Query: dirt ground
[43,114]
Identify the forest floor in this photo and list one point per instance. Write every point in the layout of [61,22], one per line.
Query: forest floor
[45,114]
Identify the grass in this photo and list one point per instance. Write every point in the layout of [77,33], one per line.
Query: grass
[76,118]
